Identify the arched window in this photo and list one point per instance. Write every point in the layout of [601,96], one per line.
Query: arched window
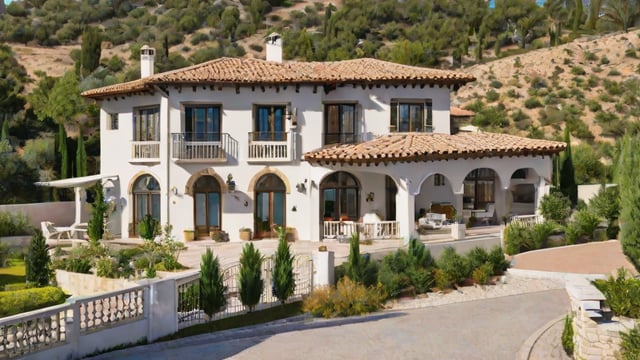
[340,197]
[270,205]
[479,189]
[207,205]
[146,200]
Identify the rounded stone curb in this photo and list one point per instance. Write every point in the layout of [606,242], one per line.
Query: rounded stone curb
[525,350]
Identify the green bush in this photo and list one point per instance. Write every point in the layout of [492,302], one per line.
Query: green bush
[532,103]
[347,299]
[38,264]
[149,228]
[107,267]
[442,279]
[212,294]
[515,236]
[614,72]
[455,266]
[555,207]
[482,274]
[477,257]
[14,224]
[495,84]
[19,301]
[497,260]
[492,95]
[540,234]
[567,335]
[622,293]
[571,234]
[630,345]
[577,70]
[586,222]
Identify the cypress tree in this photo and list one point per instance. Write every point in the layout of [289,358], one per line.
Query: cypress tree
[5,129]
[95,228]
[567,174]
[250,280]
[356,261]
[81,157]
[90,51]
[38,266]
[283,281]
[62,149]
[212,288]
[628,180]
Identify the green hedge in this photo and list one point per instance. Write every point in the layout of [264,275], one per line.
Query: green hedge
[19,301]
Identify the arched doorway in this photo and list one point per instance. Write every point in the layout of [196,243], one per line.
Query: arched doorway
[146,200]
[479,189]
[206,205]
[270,205]
[340,197]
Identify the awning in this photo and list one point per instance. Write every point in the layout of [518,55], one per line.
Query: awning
[82,181]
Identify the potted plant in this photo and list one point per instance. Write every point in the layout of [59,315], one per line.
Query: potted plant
[189,234]
[458,227]
[245,233]
[290,234]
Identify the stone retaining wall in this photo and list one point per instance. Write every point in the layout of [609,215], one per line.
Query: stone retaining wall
[596,340]
[88,284]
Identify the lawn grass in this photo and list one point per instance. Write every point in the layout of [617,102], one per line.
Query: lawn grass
[13,274]
[254,318]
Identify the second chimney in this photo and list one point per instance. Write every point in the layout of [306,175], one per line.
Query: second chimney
[274,47]
[147,57]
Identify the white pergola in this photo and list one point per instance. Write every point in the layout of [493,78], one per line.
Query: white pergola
[78,184]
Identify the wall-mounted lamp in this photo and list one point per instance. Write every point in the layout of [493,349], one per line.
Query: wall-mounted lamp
[231,184]
[174,190]
[301,186]
[370,196]
[294,208]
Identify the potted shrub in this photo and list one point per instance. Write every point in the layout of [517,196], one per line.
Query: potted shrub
[291,234]
[245,233]
[189,234]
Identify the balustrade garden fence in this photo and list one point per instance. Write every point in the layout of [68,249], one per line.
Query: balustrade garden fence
[147,312]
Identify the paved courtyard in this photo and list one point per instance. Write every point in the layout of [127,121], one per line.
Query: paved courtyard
[483,329]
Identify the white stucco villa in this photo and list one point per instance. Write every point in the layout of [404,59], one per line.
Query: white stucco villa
[233,143]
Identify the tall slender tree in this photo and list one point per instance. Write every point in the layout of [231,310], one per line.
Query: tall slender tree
[628,180]
[62,150]
[283,280]
[212,288]
[90,51]
[81,156]
[250,279]
[567,173]
[38,266]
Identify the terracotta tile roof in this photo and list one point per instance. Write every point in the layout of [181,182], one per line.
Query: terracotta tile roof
[456,111]
[419,147]
[248,71]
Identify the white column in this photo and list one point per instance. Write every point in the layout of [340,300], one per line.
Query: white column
[323,264]
[165,158]
[405,209]
[79,198]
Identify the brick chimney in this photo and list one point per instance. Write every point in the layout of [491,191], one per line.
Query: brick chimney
[147,57]
[274,47]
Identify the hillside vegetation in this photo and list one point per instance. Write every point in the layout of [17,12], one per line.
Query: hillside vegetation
[539,69]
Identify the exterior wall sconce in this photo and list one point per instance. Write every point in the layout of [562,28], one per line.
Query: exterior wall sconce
[370,196]
[231,184]
[174,190]
[301,187]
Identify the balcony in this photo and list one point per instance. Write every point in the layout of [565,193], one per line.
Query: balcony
[145,151]
[271,146]
[202,147]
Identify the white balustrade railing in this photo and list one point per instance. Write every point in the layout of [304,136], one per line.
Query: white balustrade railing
[111,309]
[342,230]
[270,147]
[34,331]
[527,220]
[145,150]
[203,146]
